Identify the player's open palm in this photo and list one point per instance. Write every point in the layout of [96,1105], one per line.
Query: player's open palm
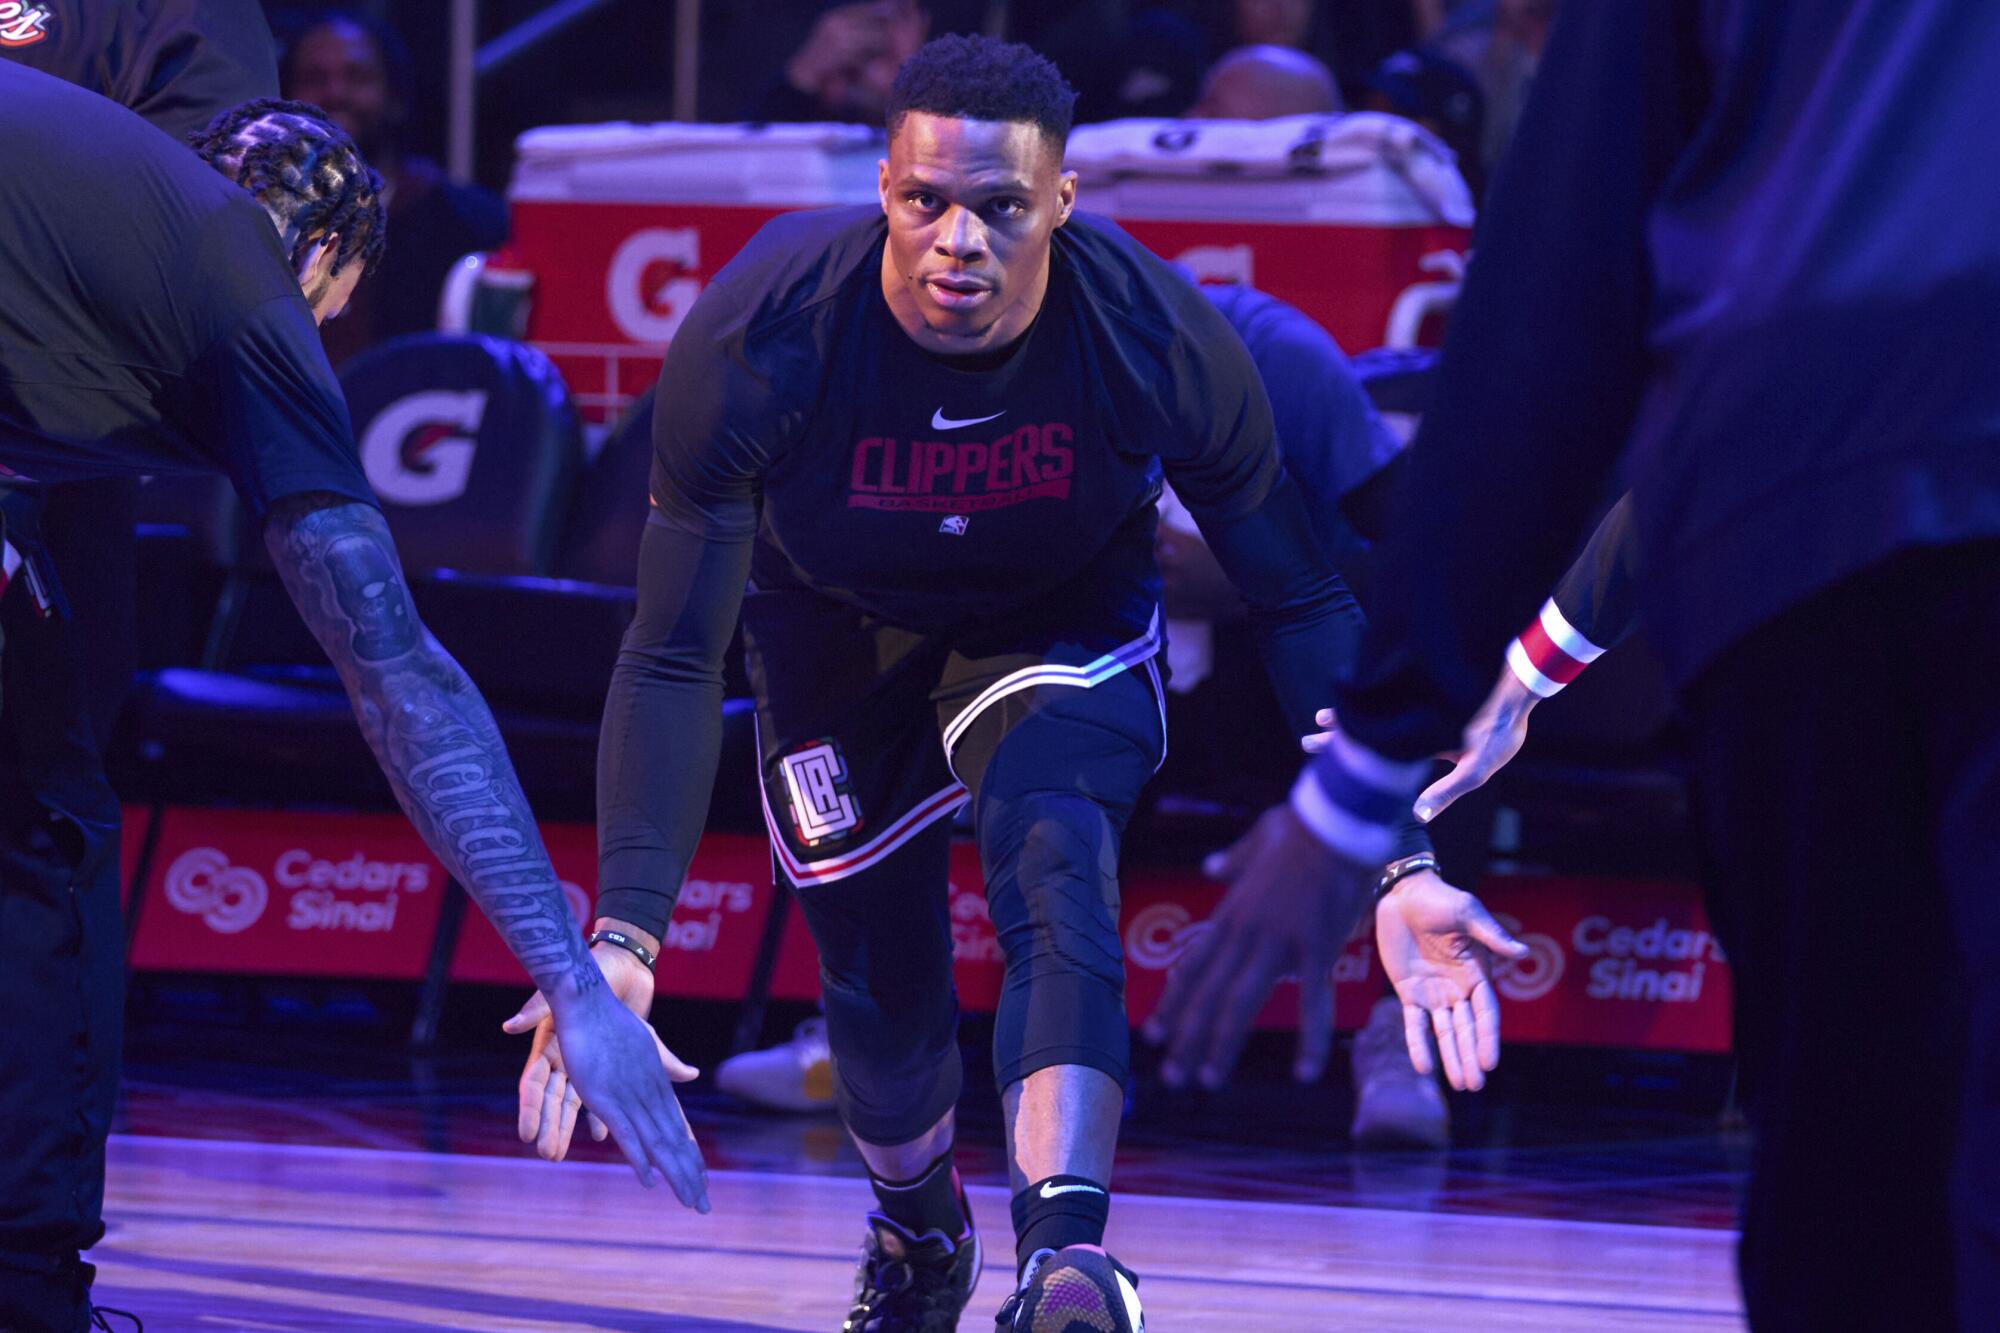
[555,1087]
[1437,945]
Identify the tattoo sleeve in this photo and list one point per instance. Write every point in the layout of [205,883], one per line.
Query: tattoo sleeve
[429,728]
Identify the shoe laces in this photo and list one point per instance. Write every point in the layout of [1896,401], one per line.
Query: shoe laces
[100,1319]
[1011,1307]
[897,1291]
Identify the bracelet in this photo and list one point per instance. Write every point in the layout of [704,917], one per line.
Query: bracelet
[1397,871]
[625,942]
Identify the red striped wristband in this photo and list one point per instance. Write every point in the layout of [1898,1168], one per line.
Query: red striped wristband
[1551,652]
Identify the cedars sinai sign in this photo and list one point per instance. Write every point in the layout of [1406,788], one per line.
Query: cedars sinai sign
[258,891]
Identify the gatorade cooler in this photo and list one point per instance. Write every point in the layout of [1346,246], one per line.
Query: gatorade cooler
[1361,220]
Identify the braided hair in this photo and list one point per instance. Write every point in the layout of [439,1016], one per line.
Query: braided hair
[306,173]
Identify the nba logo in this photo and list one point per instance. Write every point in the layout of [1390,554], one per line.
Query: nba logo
[955,524]
[816,783]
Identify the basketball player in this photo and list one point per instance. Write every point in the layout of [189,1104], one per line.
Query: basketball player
[1778,298]
[930,436]
[177,63]
[161,316]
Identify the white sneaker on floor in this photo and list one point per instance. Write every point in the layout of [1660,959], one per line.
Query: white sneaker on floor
[794,1076]
[1394,1105]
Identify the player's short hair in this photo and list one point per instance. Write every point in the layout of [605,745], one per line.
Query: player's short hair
[306,173]
[979,78]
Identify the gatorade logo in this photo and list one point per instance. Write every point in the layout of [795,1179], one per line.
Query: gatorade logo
[22,25]
[418,450]
[1230,265]
[650,285]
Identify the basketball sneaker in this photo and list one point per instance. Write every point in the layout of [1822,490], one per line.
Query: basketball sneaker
[794,1076]
[910,1283]
[1394,1105]
[1075,1290]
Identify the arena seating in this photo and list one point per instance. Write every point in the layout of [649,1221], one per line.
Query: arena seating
[521,555]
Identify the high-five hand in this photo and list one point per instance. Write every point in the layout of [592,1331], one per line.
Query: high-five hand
[555,1084]
[1491,739]
[1291,905]
[1437,945]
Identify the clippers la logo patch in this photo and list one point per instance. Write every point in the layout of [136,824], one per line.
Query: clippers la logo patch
[816,788]
[22,25]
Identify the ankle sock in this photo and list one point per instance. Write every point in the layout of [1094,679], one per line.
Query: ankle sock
[1059,1211]
[933,1201]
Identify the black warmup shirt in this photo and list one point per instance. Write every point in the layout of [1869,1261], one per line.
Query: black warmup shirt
[1755,246]
[151,322]
[935,496]
[174,62]
[795,416]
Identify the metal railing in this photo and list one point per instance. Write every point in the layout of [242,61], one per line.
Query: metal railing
[469,62]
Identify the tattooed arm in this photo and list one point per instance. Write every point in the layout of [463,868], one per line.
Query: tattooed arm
[442,753]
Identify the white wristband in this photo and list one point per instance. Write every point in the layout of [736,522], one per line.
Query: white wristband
[1356,839]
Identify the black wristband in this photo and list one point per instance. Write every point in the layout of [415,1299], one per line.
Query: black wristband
[1396,871]
[625,942]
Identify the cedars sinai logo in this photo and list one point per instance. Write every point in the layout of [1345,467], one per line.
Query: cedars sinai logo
[202,883]
[1535,973]
[351,894]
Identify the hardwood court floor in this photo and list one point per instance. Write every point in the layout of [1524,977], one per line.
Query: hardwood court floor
[211,1235]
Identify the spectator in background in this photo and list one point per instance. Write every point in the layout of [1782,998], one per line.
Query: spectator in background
[1124,60]
[844,69]
[1440,96]
[1350,37]
[1262,82]
[359,70]
[1500,42]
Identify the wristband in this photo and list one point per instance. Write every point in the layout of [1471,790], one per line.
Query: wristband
[625,942]
[1397,871]
[1550,652]
[1353,799]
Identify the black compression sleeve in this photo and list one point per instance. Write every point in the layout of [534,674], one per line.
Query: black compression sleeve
[1599,596]
[1544,364]
[662,729]
[1307,623]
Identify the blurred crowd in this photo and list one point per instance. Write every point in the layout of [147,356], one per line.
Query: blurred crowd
[1460,67]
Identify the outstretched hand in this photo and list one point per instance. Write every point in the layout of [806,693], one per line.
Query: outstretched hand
[1291,904]
[598,1067]
[1491,739]
[1437,945]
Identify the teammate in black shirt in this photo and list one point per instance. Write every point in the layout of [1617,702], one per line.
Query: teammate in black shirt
[157,319]
[176,63]
[931,437]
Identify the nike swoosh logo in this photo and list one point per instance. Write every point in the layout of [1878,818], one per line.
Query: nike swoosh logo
[939,421]
[1050,1191]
